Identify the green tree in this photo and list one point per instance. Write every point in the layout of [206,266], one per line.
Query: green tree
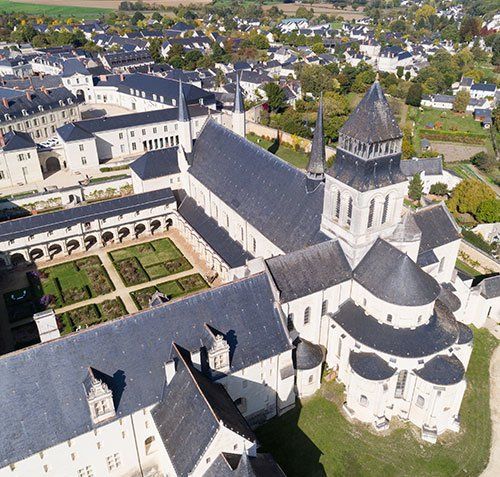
[137,17]
[461,101]
[489,211]
[399,72]
[315,79]
[482,161]
[157,16]
[414,96]
[407,148]
[155,50]
[276,96]
[303,12]
[468,195]
[415,188]
[439,188]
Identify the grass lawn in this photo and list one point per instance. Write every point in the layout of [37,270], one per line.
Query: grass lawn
[295,158]
[173,289]
[54,10]
[466,268]
[149,261]
[316,440]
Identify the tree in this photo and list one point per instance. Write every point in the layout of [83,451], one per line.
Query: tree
[276,96]
[489,211]
[157,16]
[400,71]
[155,50]
[137,17]
[469,28]
[461,101]
[439,188]
[303,12]
[415,188]
[407,148]
[414,96]
[468,195]
[482,161]
[315,79]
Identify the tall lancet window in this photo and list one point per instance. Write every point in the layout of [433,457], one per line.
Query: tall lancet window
[349,211]
[385,209]
[337,206]
[371,211]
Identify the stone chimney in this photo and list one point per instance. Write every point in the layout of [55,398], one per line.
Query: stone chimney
[28,95]
[218,355]
[46,324]
[5,102]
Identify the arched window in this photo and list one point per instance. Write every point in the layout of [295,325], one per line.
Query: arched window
[337,205]
[401,383]
[420,401]
[324,307]
[307,315]
[254,245]
[371,211]
[349,211]
[311,379]
[389,318]
[385,209]
[148,444]
[289,321]
[363,400]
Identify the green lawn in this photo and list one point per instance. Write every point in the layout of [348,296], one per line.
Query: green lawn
[296,158]
[149,261]
[173,289]
[55,10]
[316,440]
[466,268]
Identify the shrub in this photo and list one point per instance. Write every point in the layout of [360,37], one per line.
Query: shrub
[439,188]
[192,282]
[415,187]
[112,309]
[477,240]
[482,161]
[489,211]
[131,271]
[74,295]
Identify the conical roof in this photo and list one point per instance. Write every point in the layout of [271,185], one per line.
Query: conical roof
[394,277]
[245,468]
[183,113]
[373,119]
[317,163]
[239,103]
[307,355]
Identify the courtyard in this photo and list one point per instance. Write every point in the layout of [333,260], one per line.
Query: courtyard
[86,289]
[321,441]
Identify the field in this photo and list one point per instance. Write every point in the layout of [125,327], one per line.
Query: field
[69,8]
[319,8]
[320,441]
[74,8]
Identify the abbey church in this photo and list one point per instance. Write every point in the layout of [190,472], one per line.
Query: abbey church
[321,269]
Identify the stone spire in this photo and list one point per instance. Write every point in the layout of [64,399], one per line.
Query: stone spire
[183,114]
[239,104]
[317,163]
[239,120]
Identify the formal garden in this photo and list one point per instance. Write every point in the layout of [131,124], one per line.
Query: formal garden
[321,441]
[89,315]
[58,286]
[148,261]
[172,289]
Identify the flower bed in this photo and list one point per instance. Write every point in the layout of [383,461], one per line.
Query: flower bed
[74,295]
[131,271]
[111,309]
[192,282]
[141,297]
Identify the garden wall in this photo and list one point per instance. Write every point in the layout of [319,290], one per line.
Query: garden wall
[476,255]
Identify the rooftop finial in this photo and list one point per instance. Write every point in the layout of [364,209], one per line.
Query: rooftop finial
[317,162]
[182,106]
[239,104]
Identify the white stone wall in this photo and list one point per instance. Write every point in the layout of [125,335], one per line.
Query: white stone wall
[81,155]
[308,381]
[19,167]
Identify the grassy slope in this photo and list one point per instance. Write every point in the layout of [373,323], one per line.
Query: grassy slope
[38,9]
[316,439]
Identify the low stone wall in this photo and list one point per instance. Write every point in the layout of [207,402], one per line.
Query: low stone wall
[471,254]
[303,143]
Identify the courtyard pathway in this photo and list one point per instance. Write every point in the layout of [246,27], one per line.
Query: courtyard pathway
[493,469]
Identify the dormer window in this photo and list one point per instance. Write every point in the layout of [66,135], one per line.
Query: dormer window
[218,355]
[99,397]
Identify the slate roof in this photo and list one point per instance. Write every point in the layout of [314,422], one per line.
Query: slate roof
[132,351]
[15,140]
[370,366]
[259,187]
[372,120]
[490,287]
[73,66]
[447,297]
[437,225]
[438,334]
[230,250]
[124,58]
[465,334]
[191,412]
[432,166]
[157,163]
[427,258]
[36,224]
[442,370]
[307,355]
[73,132]
[310,270]
[394,277]
[123,121]
[407,230]
[490,87]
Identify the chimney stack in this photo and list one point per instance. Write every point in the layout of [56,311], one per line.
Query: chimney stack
[122,77]
[28,95]
[5,102]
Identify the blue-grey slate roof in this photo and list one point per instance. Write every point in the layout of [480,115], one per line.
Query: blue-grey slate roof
[264,190]
[426,258]
[35,224]
[307,355]
[431,166]
[73,132]
[370,366]
[15,140]
[156,163]
[230,250]
[394,277]
[191,412]
[132,352]
[310,270]
[437,225]
[439,333]
[442,370]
